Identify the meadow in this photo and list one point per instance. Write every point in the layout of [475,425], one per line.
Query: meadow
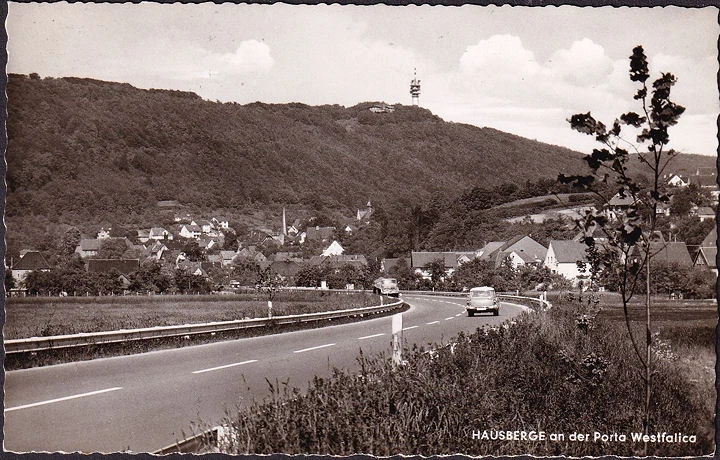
[569,369]
[46,316]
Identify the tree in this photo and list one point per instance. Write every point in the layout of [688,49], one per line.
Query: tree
[9,280]
[630,235]
[112,248]
[70,241]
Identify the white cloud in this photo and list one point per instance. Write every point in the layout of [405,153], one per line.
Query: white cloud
[250,56]
[498,58]
[583,64]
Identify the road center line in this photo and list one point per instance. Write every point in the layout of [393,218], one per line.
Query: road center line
[449,318]
[225,366]
[371,336]
[433,322]
[65,398]
[408,328]
[314,348]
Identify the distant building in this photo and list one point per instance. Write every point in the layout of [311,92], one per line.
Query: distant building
[159,233]
[565,257]
[321,234]
[706,256]
[422,260]
[88,247]
[31,261]
[335,249]
[677,180]
[382,108]
[124,266]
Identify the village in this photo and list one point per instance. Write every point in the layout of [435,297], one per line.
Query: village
[205,255]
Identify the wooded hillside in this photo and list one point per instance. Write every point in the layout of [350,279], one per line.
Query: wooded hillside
[81,147]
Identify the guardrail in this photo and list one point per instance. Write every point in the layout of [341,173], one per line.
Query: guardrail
[192,444]
[543,304]
[127,335]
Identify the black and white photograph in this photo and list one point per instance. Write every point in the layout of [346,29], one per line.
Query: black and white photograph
[428,230]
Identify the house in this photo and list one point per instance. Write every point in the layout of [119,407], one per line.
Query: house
[321,234]
[619,203]
[31,261]
[220,222]
[337,261]
[662,209]
[250,253]
[159,233]
[207,242]
[520,250]
[88,247]
[667,253]
[287,265]
[707,258]
[382,108]
[420,261]
[677,180]
[104,233]
[333,250]
[226,257]
[707,182]
[214,259]
[157,250]
[206,226]
[565,257]
[194,268]
[191,230]
[704,213]
[364,214]
[143,236]
[389,265]
[124,266]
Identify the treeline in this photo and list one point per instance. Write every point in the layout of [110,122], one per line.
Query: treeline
[504,278]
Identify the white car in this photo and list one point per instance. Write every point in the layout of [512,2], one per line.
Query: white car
[481,299]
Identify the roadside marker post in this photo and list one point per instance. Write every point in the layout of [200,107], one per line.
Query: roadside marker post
[397,326]
[269,308]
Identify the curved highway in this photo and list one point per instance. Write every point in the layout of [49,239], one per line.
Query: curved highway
[144,402]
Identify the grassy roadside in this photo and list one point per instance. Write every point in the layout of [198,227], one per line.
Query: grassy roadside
[566,370]
[46,316]
[36,318]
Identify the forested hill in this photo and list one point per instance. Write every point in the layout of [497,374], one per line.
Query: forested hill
[79,148]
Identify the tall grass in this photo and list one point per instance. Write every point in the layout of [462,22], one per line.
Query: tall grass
[561,371]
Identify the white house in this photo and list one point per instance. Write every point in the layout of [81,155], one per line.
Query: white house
[333,250]
[678,181]
[159,233]
[565,257]
[191,230]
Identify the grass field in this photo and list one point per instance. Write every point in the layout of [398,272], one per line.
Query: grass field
[45,316]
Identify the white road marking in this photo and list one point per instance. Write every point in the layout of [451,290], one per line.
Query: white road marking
[408,328]
[314,348]
[458,315]
[66,398]
[225,366]
[371,336]
[449,318]
[434,322]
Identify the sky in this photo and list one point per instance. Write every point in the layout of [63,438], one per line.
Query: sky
[522,70]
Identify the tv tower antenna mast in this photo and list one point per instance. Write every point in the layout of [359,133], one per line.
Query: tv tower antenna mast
[415,89]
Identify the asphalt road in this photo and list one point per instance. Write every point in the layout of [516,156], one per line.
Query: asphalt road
[144,402]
